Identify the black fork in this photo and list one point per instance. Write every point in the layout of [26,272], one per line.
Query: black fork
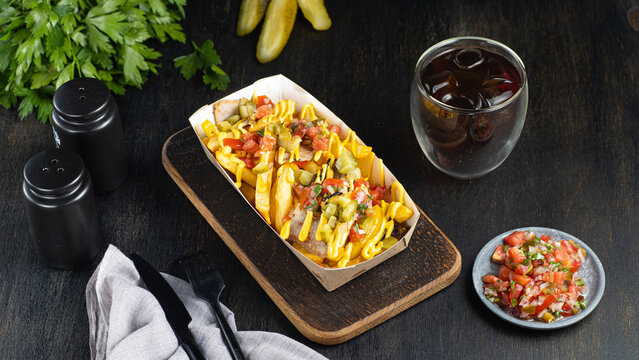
[208,284]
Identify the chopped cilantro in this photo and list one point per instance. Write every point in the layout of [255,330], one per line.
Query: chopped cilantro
[362,208]
[513,301]
[261,133]
[537,256]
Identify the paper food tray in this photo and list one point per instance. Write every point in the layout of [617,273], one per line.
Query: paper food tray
[278,88]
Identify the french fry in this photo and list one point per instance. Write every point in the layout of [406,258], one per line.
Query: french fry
[263,185]
[249,192]
[228,164]
[283,194]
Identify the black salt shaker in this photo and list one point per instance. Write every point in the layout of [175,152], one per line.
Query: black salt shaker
[86,120]
[60,205]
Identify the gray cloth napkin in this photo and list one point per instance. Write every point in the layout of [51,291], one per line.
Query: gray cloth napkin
[127,322]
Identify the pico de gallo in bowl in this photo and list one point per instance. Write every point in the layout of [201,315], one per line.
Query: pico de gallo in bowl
[538,277]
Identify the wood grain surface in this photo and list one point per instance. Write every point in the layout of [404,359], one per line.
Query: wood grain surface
[575,168]
[430,263]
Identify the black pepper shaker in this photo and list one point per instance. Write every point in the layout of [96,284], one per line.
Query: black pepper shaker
[60,205]
[86,120]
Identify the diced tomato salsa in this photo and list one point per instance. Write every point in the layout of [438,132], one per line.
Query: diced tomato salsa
[537,278]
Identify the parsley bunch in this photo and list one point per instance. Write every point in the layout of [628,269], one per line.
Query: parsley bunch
[45,43]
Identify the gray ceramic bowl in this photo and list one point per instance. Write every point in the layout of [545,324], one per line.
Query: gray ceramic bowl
[591,271]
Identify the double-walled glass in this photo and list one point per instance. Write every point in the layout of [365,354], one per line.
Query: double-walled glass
[467,143]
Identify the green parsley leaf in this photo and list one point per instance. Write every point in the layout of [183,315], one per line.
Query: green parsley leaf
[203,58]
[188,65]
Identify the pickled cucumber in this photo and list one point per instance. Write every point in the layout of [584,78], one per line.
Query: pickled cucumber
[346,162]
[278,24]
[251,13]
[315,12]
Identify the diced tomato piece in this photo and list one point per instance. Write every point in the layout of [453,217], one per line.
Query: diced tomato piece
[335,183]
[251,146]
[575,266]
[559,277]
[547,277]
[301,164]
[320,144]
[561,256]
[312,132]
[251,136]
[235,144]
[499,256]
[304,195]
[522,279]
[570,248]
[516,238]
[489,279]
[537,263]
[522,269]
[263,100]
[267,142]
[572,291]
[297,188]
[301,129]
[262,111]
[516,255]
[504,273]
[335,128]
[360,182]
[356,233]
[248,162]
[547,301]
[516,291]
[377,193]
[545,238]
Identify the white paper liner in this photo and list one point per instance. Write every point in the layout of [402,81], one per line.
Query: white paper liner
[277,88]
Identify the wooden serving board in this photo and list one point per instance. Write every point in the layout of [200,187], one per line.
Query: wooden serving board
[430,263]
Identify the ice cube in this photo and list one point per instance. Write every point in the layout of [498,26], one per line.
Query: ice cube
[466,59]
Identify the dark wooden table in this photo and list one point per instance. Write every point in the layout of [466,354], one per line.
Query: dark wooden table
[575,168]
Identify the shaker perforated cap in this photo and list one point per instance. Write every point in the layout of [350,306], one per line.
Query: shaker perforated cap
[54,172]
[81,99]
